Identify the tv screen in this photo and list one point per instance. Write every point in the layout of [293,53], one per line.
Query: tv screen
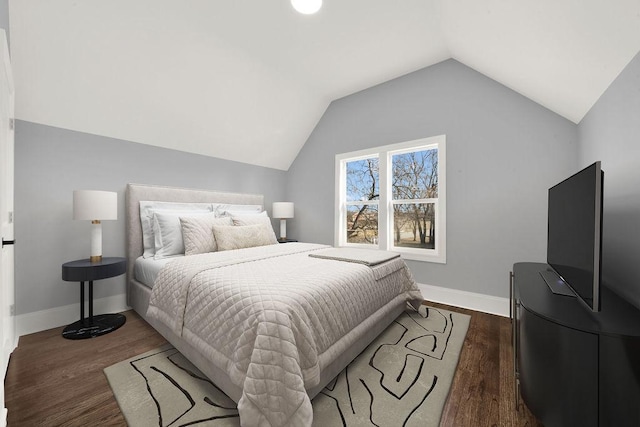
[574,233]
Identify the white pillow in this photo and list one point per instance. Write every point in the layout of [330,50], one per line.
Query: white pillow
[227,209]
[244,213]
[197,233]
[167,232]
[244,236]
[147,208]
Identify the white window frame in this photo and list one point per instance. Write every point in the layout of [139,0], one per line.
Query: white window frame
[386,202]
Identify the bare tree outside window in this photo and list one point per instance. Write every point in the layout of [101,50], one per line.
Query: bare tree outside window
[414,186]
[414,181]
[393,197]
[363,193]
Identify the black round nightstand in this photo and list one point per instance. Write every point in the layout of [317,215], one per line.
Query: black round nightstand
[84,270]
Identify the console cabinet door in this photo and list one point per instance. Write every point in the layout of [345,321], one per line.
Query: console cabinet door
[619,381]
[558,369]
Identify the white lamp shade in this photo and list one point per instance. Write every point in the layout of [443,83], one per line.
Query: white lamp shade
[306,7]
[282,210]
[95,205]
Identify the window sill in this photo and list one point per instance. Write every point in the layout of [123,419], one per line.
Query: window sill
[437,259]
[406,254]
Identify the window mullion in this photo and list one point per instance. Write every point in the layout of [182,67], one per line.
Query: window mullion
[413,201]
[365,202]
[340,237]
[384,215]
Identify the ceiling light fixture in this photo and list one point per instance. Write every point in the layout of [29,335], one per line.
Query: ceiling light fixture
[306,7]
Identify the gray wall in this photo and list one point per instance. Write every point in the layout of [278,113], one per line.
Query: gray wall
[610,132]
[503,152]
[50,163]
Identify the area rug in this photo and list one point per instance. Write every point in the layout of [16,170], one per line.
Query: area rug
[401,379]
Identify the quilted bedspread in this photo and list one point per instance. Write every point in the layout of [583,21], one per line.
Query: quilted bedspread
[269,316]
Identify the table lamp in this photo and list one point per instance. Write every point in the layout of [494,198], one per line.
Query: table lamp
[95,206]
[283,210]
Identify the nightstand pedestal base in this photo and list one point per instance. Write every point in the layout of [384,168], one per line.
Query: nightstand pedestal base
[88,328]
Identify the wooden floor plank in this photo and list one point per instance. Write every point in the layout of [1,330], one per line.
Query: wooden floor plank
[482,389]
[52,381]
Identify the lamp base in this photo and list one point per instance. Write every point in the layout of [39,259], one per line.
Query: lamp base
[96,241]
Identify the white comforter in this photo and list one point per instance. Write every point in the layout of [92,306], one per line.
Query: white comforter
[268,316]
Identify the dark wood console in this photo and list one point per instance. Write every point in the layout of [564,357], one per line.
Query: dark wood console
[574,367]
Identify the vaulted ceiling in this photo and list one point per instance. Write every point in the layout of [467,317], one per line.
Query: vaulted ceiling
[248,80]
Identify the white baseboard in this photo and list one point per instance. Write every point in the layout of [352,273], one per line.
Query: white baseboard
[471,300]
[30,323]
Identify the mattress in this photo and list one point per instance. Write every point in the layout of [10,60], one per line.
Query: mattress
[147,269]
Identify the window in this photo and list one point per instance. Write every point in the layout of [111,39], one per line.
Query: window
[393,198]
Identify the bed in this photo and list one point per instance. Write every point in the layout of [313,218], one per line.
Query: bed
[296,313]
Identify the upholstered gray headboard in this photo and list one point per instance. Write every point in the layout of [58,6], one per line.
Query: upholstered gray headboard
[141,192]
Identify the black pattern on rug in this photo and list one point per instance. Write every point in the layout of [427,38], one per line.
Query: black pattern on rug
[212,405]
[399,385]
[402,378]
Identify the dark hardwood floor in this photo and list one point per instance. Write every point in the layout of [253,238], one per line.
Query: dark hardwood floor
[52,381]
[482,393]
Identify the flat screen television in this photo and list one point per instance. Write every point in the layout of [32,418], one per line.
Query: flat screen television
[574,239]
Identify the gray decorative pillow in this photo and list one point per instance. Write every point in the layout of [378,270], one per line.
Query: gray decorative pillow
[243,236]
[197,233]
[168,232]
